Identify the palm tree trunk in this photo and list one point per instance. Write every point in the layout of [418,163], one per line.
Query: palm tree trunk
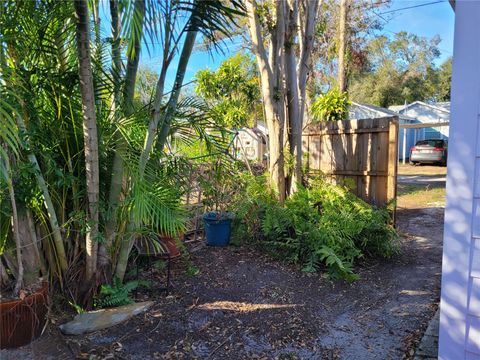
[153,124]
[90,135]
[52,215]
[116,52]
[117,168]
[117,179]
[177,87]
[16,230]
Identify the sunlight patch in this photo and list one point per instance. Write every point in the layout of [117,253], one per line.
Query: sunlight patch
[242,307]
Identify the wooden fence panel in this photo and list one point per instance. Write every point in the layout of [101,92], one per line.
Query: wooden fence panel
[361,154]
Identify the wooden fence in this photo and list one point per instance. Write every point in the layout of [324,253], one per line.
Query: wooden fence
[361,154]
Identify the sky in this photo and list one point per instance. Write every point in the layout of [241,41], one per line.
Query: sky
[428,20]
[422,17]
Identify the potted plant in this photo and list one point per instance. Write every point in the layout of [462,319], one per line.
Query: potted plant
[218,185]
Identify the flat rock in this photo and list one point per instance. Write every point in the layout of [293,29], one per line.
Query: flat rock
[102,319]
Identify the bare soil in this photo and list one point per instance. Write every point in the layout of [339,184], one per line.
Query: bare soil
[245,305]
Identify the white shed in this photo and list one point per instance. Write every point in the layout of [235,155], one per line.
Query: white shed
[251,143]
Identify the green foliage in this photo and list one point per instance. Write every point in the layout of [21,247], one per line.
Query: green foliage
[78,309]
[401,68]
[219,183]
[331,106]
[117,294]
[192,270]
[323,225]
[232,91]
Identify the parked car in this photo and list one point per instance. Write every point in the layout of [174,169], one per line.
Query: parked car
[429,151]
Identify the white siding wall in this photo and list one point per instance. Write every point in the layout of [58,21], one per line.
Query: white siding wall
[460,300]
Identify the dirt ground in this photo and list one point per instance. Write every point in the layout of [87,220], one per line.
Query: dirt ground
[244,305]
[431,170]
[421,186]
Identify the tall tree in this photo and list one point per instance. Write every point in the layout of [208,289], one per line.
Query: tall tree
[331,54]
[232,91]
[133,54]
[397,69]
[271,69]
[89,134]
[342,46]
[287,29]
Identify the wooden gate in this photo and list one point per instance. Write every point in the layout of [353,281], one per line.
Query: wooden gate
[361,154]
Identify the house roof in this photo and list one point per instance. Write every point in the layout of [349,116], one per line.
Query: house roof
[378,111]
[439,106]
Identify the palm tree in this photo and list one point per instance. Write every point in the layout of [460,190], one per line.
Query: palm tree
[90,135]
[74,116]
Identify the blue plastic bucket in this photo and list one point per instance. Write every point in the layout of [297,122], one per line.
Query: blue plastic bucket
[217,228]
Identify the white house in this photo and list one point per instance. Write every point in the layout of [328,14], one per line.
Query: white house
[427,113]
[366,111]
[460,298]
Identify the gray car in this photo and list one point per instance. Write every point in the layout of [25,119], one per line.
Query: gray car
[429,151]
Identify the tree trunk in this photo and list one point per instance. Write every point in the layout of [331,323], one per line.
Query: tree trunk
[52,215]
[15,228]
[159,90]
[4,278]
[293,109]
[270,68]
[342,29]
[90,135]
[306,36]
[30,254]
[153,124]
[177,87]
[117,168]
[116,52]
[117,178]
[34,245]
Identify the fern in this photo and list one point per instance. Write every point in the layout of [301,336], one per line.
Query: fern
[321,226]
[117,294]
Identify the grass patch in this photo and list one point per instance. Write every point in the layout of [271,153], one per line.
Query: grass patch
[415,196]
[431,170]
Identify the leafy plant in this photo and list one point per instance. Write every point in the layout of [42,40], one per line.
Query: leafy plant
[232,91]
[323,225]
[219,183]
[331,106]
[118,293]
[78,309]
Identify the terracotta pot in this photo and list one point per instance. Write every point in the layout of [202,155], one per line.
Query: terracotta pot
[23,320]
[171,245]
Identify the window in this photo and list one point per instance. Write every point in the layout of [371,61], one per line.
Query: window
[432,143]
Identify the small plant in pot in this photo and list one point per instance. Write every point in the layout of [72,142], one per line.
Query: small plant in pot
[219,186]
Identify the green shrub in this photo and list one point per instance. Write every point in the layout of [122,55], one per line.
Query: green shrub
[322,225]
[331,106]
